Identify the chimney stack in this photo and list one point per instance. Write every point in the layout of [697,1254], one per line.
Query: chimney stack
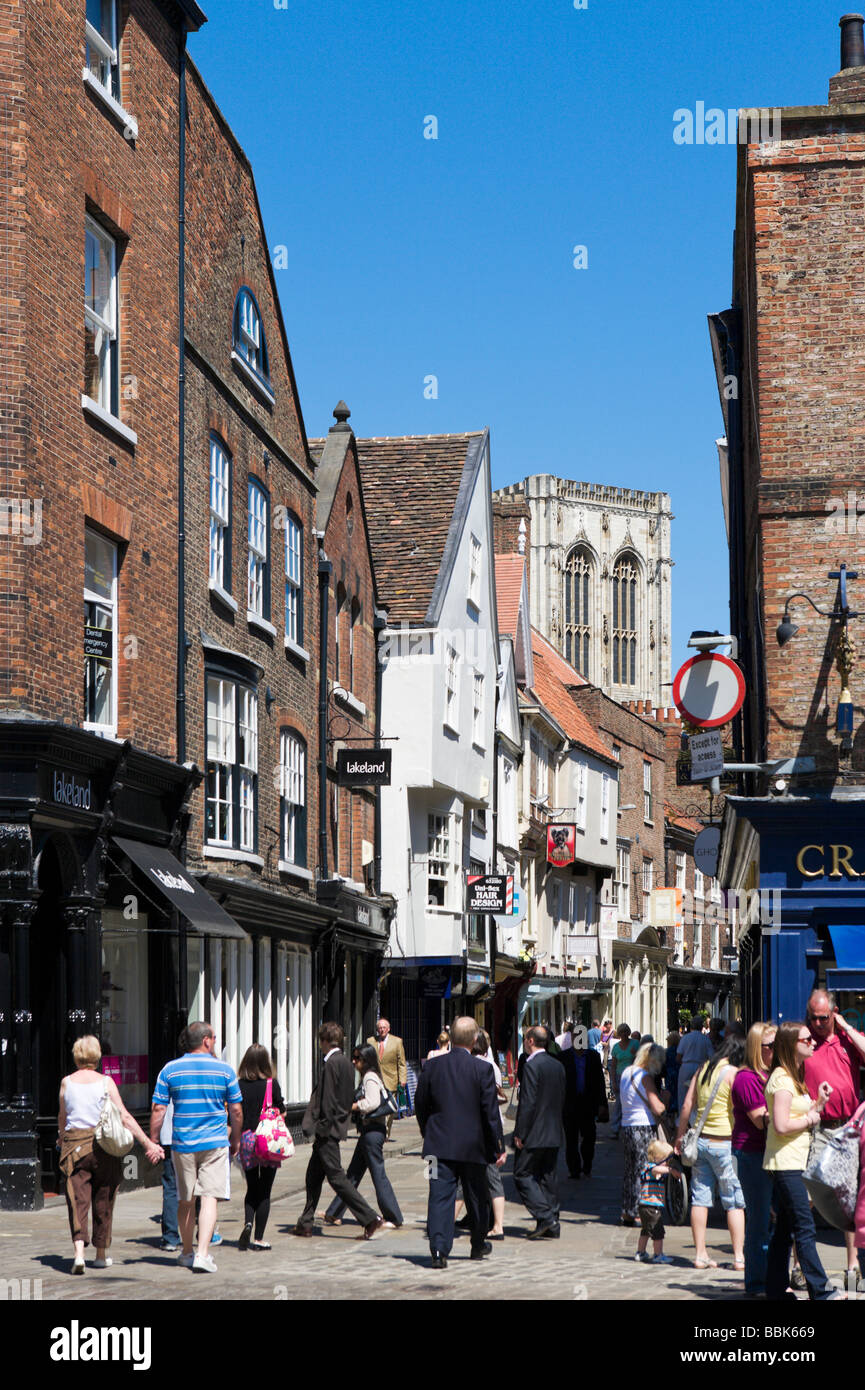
[849,84]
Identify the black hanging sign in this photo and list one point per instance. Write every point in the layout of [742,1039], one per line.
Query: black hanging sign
[98,641]
[363,767]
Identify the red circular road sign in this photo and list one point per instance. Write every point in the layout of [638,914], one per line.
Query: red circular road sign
[708,690]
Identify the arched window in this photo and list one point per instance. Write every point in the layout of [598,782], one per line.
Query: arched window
[625,578]
[249,340]
[578,608]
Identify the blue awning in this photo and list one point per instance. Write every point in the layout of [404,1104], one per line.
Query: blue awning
[849,946]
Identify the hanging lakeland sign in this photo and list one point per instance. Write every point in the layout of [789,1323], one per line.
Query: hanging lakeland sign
[561,845]
[363,767]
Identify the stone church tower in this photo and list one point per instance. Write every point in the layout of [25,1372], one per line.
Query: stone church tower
[599,579]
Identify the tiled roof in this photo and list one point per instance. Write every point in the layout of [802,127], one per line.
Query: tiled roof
[411,485]
[552,677]
[509,587]
[564,671]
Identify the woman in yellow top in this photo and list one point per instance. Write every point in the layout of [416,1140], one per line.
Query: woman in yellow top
[792,1116]
[714,1163]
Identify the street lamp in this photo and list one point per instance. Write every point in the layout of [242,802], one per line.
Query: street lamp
[846,654]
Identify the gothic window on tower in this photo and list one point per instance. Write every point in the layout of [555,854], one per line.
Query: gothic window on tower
[625,576]
[578,599]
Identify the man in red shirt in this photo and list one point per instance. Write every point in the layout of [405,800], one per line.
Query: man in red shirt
[837,1057]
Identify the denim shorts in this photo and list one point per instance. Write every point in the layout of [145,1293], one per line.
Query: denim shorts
[714,1167]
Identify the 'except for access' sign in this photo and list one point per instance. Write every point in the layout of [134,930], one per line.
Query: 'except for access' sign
[707,755]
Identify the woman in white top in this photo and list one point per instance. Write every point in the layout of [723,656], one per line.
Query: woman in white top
[444,1045]
[642,1107]
[92,1175]
[369,1151]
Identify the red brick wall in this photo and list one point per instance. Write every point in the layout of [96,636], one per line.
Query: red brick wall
[263,439]
[801,250]
[347,547]
[68,156]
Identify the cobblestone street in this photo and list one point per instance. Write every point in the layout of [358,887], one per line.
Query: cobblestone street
[593,1259]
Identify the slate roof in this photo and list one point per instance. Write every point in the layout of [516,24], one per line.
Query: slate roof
[509,586]
[552,677]
[412,485]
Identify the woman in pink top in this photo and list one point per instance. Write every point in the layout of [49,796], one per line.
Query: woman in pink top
[750,1118]
[860,1205]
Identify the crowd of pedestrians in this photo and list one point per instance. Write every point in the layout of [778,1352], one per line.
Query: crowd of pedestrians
[745,1106]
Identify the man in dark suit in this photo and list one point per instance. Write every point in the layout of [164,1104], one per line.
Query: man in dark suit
[538,1134]
[584,1092]
[458,1113]
[326,1123]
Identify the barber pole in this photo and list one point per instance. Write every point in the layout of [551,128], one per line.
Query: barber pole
[509,898]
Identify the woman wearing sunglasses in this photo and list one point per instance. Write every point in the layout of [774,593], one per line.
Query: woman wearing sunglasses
[792,1116]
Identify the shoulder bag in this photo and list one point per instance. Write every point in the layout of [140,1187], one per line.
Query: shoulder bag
[692,1135]
[387,1106]
[110,1133]
[273,1142]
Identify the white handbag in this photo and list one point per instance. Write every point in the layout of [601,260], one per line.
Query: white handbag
[111,1134]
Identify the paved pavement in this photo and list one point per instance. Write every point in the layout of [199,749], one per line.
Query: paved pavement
[593,1260]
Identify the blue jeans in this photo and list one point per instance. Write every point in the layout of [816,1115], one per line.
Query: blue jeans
[756,1185]
[369,1154]
[169,1200]
[793,1220]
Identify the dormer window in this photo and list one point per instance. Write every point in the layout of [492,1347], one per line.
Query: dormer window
[101,31]
[250,343]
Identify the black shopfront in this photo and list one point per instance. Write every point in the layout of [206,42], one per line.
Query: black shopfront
[95,914]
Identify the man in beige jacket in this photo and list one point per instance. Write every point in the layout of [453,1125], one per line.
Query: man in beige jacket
[391,1059]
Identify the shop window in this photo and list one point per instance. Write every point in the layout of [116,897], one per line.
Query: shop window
[124,1005]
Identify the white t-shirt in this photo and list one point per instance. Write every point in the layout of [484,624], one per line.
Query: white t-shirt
[635,1111]
[497,1072]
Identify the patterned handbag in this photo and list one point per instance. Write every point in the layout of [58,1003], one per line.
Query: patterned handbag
[273,1142]
[832,1172]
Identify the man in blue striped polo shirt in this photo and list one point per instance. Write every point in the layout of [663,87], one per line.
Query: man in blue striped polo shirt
[200,1086]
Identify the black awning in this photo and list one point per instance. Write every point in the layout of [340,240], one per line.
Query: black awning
[168,876]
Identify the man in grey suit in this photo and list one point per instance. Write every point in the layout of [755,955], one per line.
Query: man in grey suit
[538,1134]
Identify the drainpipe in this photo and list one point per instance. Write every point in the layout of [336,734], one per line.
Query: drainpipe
[181,418]
[325,570]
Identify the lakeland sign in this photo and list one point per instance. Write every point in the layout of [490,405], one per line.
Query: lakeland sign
[68,791]
[363,767]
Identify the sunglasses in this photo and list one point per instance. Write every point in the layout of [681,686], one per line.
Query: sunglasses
[820,1018]
[808,1042]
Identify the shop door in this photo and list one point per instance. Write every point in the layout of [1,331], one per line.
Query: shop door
[50,1058]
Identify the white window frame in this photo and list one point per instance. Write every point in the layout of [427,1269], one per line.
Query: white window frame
[231,746]
[648,883]
[475,562]
[257,550]
[605,807]
[441,857]
[622,882]
[250,331]
[108,730]
[647,793]
[698,942]
[106,49]
[452,688]
[478,732]
[582,786]
[107,391]
[292,790]
[220,514]
[680,869]
[540,751]
[699,883]
[293,580]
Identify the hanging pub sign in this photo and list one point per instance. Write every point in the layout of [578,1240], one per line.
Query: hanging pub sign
[363,767]
[98,641]
[561,845]
[488,892]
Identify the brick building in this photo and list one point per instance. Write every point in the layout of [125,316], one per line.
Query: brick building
[88,739]
[790,358]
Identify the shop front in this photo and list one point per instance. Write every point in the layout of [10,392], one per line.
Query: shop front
[97,915]
[798,866]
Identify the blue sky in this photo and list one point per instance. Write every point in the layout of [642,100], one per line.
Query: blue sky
[409,257]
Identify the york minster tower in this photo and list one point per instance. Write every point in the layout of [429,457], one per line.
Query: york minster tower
[599,578]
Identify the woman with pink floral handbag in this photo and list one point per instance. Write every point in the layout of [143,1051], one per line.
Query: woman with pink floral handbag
[264,1142]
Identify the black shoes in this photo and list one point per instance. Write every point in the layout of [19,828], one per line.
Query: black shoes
[439,1261]
[245,1237]
[550,1231]
[480,1252]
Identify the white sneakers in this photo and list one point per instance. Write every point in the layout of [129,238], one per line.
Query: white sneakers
[204,1264]
[103,1264]
[185,1260]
